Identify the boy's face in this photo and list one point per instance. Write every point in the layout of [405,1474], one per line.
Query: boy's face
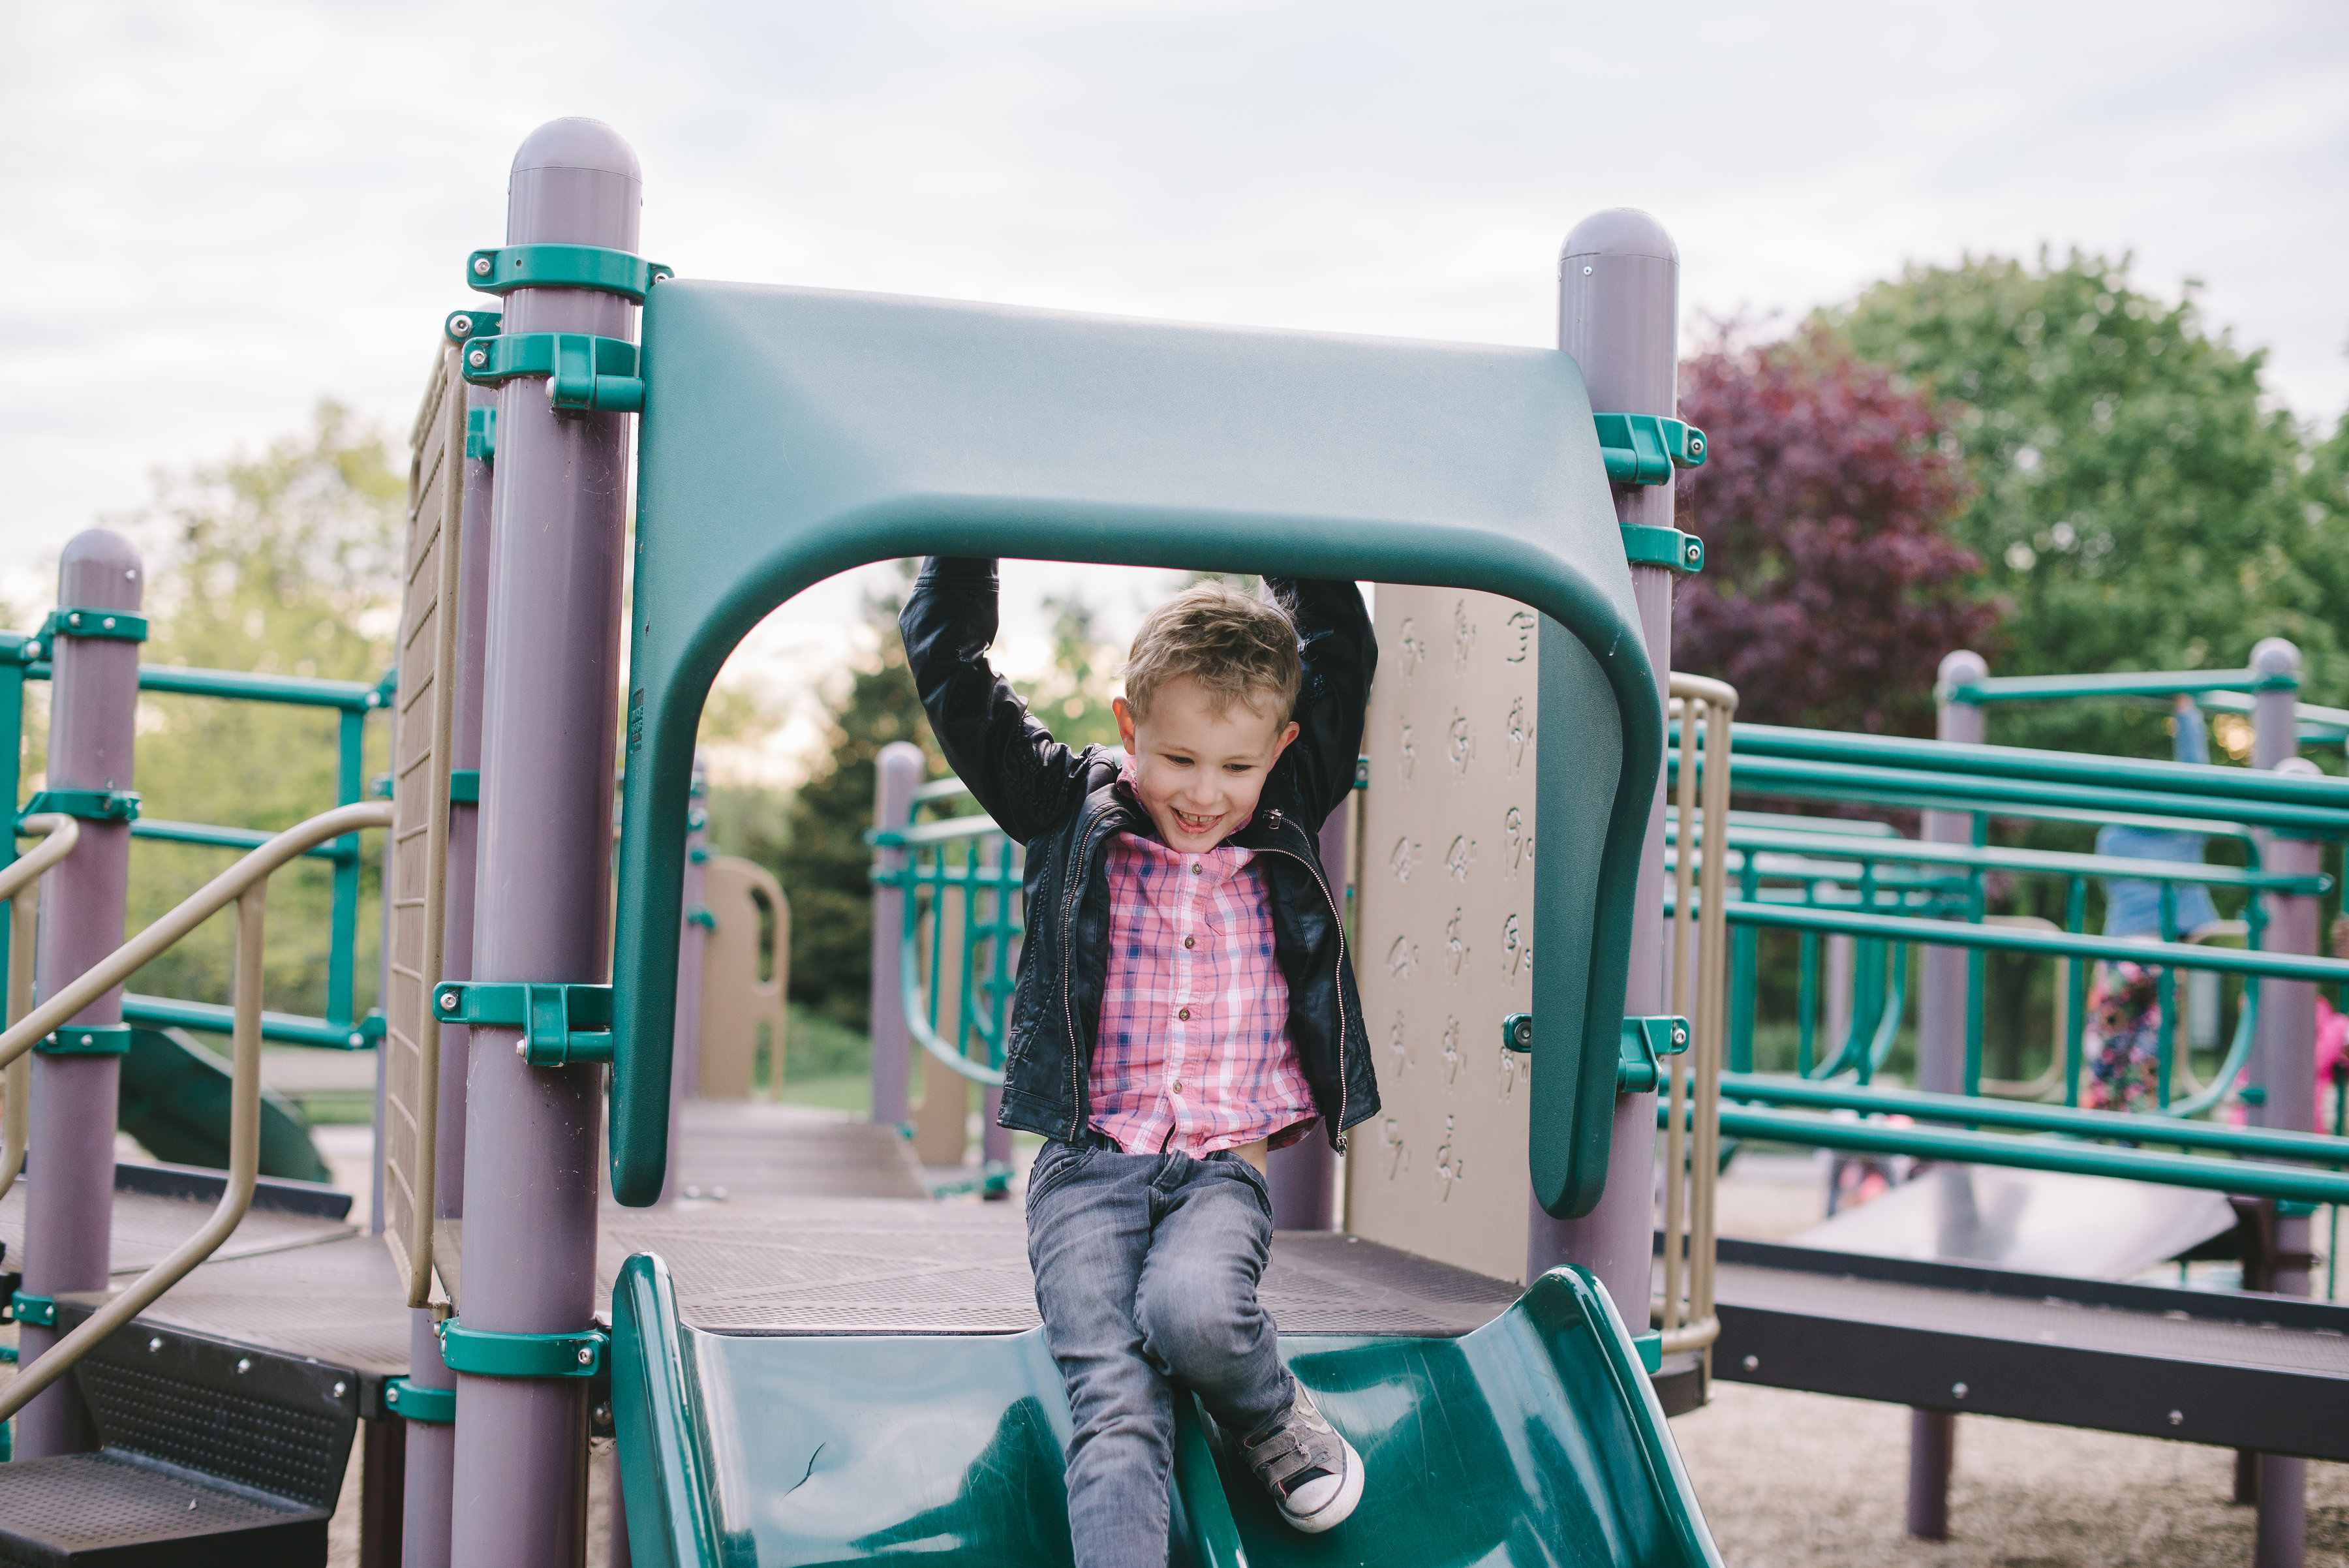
[1198,769]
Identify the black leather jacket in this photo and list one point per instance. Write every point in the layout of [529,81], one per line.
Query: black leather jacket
[1062,805]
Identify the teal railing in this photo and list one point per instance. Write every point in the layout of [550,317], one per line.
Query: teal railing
[961,878]
[353,701]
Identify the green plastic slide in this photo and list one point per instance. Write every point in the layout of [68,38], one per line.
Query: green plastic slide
[175,1102]
[1537,1440]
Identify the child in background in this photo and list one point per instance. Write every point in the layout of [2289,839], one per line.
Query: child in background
[1185,990]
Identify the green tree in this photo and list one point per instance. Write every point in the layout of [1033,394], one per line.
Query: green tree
[823,860]
[2140,503]
[1072,697]
[287,563]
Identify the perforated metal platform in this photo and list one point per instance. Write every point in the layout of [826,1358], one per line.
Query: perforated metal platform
[2269,1373]
[872,1266]
[746,1149]
[110,1509]
[155,1208]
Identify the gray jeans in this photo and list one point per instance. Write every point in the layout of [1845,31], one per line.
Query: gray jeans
[1147,1268]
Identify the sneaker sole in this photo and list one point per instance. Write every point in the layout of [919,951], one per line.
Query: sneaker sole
[1338,1508]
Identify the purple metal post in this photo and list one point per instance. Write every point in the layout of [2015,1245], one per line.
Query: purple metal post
[69,1201]
[1304,1176]
[898,772]
[432,1446]
[1619,315]
[2284,1061]
[543,886]
[1941,1068]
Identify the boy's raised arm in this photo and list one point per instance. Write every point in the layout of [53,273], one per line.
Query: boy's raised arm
[1341,653]
[1024,779]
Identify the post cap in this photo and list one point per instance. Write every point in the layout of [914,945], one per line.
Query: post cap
[2275,656]
[100,569]
[1962,666]
[1620,231]
[577,142]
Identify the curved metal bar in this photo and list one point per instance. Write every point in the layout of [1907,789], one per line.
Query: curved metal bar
[243,1166]
[196,909]
[917,1012]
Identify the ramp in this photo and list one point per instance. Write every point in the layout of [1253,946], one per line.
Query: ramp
[1532,1439]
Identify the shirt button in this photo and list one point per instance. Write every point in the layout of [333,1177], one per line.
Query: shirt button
[1197,869]
[1190,942]
[1185,1015]
[1175,1087]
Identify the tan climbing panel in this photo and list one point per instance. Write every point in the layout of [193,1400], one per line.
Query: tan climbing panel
[1444,921]
[417,862]
[746,969]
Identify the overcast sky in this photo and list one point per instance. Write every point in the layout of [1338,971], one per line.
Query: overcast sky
[217,213]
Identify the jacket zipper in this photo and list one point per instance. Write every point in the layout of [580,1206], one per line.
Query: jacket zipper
[1337,977]
[1067,1011]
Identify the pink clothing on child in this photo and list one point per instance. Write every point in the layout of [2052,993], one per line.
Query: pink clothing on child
[1193,1053]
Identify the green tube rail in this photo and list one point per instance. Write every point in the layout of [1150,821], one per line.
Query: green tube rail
[1920,788]
[1829,847]
[2268,1143]
[2243,1178]
[2120,683]
[2022,765]
[2049,944]
[292,690]
[286,1028]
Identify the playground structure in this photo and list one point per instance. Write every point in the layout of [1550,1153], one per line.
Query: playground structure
[836,1365]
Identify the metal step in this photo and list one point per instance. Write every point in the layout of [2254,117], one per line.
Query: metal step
[2234,1369]
[126,1511]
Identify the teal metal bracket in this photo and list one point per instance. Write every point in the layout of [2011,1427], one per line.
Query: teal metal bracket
[464,787]
[87,1040]
[1644,449]
[480,1353]
[699,915]
[582,372]
[113,626]
[369,1032]
[481,434]
[90,805]
[1651,1346]
[1649,544]
[505,268]
[412,1402]
[698,853]
[39,1311]
[561,1025]
[464,325]
[1645,1042]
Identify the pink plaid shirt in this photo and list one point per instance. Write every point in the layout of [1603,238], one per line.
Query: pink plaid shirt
[1193,1053]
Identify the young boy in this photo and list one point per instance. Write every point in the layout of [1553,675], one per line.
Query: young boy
[1185,990]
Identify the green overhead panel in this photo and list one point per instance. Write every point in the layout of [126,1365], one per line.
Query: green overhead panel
[789,434]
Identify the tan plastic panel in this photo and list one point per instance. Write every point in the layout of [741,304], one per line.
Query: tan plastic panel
[1445,917]
[417,860]
[734,1001]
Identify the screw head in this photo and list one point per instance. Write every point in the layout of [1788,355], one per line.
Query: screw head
[74,619]
[339,1390]
[478,358]
[153,1345]
[481,266]
[1586,270]
[1680,1035]
[1752,1364]
[586,1354]
[521,1049]
[33,648]
[243,1365]
[2178,1417]
[1695,552]
[447,1001]
[108,623]
[462,325]
[1696,446]
[1957,1390]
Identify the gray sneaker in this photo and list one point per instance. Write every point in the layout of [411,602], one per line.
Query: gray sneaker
[1314,1475]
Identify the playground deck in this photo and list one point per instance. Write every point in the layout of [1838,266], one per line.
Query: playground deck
[2241,1370]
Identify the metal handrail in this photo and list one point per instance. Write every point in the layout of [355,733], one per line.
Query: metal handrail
[1685,1312]
[246,885]
[59,834]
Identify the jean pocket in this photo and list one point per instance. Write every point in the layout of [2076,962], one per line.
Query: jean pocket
[1055,1163]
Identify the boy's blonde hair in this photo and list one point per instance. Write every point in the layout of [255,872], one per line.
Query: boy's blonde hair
[1241,649]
